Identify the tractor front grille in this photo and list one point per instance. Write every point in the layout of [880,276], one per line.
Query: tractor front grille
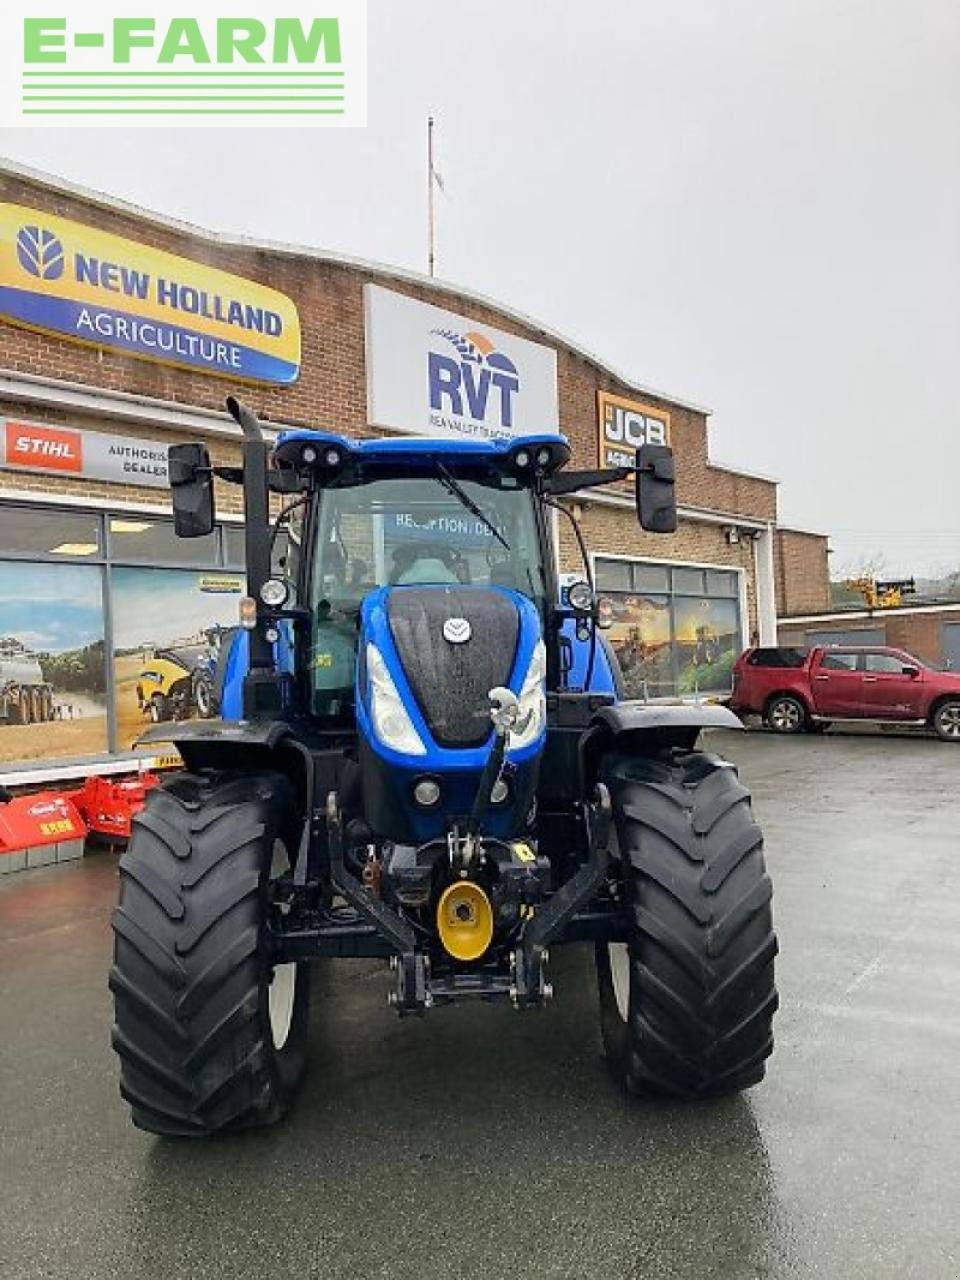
[451,681]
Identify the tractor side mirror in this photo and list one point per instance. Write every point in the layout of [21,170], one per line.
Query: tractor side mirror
[656,493]
[191,484]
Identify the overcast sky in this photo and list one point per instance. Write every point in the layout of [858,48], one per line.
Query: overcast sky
[753,205]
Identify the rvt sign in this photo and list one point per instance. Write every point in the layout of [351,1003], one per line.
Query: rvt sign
[461,385]
[431,372]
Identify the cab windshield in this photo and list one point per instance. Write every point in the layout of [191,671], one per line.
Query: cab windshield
[411,531]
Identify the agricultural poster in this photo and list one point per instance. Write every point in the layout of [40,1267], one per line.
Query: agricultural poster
[167,628]
[53,700]
[682,649]
[707,640]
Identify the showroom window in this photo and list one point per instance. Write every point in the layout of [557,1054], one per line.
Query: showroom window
[677,628]
[107,622]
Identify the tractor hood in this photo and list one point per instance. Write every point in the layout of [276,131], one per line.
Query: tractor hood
[428,657]
[440,650]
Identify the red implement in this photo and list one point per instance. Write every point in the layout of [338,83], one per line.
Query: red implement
[45,817]
[108,808]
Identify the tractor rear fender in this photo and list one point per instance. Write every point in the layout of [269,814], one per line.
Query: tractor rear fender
[648,728]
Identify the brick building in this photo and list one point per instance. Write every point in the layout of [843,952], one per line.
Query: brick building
[928,630]
[95,593]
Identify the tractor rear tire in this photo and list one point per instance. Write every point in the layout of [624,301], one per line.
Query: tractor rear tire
[687,1003]
[210,1035]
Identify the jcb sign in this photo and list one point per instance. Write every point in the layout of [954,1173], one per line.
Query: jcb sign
[624,425]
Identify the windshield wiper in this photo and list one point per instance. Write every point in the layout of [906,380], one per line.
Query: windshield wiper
[453,486]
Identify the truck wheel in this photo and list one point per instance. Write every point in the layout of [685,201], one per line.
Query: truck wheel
[946,721]
[687,1002]
[209,1033]
[786,714]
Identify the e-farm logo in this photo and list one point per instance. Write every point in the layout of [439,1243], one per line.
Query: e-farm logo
[96,64]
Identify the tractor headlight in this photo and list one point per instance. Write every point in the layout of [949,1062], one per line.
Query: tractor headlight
[274,593]
[532,700]
[390,717]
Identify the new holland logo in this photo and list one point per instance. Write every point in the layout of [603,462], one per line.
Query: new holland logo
[40,253]
[457,630]
[91,286]
[478,383]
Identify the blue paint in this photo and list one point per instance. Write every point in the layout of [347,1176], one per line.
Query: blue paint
[418,448]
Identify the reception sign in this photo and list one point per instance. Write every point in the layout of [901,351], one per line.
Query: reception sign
[102,290]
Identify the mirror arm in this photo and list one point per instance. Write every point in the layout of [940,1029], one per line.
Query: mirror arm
[571,481]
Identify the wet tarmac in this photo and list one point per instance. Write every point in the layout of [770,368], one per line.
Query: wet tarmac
[483,1143]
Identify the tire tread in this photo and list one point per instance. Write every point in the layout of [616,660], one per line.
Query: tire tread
[702,946]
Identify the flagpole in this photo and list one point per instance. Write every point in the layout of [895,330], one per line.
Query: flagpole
[431,214]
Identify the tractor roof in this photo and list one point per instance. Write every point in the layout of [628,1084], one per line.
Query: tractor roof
[396,448]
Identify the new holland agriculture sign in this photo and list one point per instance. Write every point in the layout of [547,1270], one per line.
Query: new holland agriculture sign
[89,286]
[107,62]
[432,372]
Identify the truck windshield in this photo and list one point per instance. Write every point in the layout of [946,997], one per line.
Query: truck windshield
[411,531]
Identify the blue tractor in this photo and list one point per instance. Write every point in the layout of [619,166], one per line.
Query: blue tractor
[423,754]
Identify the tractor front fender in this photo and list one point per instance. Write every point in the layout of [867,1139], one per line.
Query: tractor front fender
[222,744]
[648,728]
[627,717]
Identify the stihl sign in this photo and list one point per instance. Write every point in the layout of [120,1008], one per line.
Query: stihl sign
[31,446]
[43,448]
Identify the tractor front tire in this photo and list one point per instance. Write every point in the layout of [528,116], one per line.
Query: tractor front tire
[687,1003]
[210,1035]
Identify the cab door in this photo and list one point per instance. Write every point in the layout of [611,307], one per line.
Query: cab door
[890,692]
[837,685]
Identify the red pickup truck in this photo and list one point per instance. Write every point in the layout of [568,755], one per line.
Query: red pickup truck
[807,689]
